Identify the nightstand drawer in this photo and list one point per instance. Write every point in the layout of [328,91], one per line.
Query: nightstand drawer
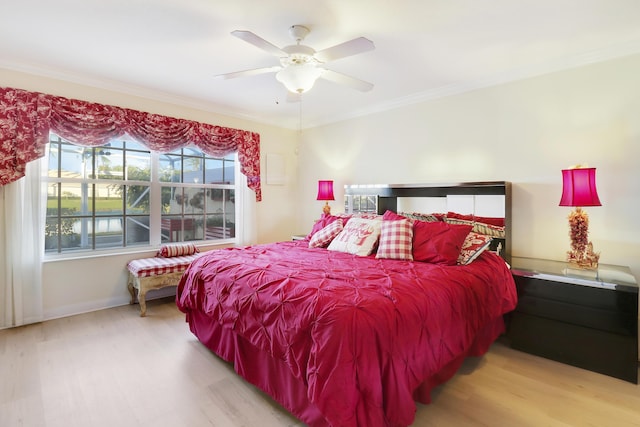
[606,353]
[603,299]
[618,322]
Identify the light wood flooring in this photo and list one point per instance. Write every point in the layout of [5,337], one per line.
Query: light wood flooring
[114,368]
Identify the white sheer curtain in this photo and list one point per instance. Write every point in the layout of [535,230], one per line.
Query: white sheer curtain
[22,243]
[247,233]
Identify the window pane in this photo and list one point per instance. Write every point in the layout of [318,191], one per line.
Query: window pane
[76,198]
[108,199]
[109,163]
[74,164]
[214,171]
[53,191]
[54,155]
[220,226]
[193,170]
[196,200]
[173,199]
[138,166]
[138,197]
[60,234]
[170,168]
[138,230]
[108,232]
[174,228]
[193,229]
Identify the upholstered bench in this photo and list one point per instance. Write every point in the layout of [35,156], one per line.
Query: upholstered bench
[165,269]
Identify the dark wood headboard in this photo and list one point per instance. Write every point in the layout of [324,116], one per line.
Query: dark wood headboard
[387,198]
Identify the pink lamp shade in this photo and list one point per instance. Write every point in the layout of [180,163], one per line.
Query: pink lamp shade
[325,190]
[579,187]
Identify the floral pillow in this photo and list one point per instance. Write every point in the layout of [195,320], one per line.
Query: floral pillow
[473,246]
[323,237]
[479,227]
[359,237]
[396,237]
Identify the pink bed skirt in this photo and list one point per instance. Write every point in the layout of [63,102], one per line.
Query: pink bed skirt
[274,378]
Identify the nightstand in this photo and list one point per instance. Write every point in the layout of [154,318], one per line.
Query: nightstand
[587,319]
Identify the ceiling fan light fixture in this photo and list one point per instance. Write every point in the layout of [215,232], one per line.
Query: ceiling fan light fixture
[299,78]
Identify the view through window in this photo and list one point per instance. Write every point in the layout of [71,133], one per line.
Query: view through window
[122,194]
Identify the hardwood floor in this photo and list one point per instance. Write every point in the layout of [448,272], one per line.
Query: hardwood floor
[114,368]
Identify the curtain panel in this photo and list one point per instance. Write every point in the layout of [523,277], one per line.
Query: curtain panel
[27,117]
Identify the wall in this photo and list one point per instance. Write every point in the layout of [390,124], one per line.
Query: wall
[75,286]
[524,132]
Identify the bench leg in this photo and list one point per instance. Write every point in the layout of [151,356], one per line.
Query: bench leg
[132,290]
[142,294]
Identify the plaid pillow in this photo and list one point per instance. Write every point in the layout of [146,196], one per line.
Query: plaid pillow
[177,249]
[472,247]
[395,240]
[323,237]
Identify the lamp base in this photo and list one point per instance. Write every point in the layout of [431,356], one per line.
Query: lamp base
[581,255]
[326,209]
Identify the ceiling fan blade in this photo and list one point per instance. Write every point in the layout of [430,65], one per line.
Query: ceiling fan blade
[352,47]
[258,42]
[247,73]
[343,79]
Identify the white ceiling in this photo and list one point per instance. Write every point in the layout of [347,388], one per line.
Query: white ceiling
[170,49]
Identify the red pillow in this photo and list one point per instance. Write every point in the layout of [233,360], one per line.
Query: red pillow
[392,216]
[438,242]
[484,219]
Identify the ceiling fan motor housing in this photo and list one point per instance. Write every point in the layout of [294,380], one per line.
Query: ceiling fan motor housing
[298,32]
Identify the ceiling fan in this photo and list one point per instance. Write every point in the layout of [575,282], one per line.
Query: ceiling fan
[300,65]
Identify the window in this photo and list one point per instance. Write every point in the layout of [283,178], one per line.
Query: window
[122,195]
[360,203]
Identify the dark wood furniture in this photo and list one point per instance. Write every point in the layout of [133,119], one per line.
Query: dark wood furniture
[587,319]
[386,197]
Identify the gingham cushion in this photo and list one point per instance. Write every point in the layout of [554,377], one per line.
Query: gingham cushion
[323,237]
[147,267]
[474,244]
[395,240]
[177,249]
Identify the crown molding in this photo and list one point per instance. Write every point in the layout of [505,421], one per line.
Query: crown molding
[517,74]
[521,73]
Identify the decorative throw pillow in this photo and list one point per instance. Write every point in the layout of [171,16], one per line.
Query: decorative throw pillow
[359,236]
[396,238]
[479,227]
[484,219]
[321,223]
[177,249]
[423,217]
[392,216]
[323,237]
[438,242]
[474,244]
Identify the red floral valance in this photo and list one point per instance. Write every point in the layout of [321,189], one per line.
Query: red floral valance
[27,117]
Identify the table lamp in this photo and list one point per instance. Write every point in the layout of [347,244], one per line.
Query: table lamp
[325,192]
[579,190]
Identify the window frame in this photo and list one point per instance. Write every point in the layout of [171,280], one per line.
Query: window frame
[155,203]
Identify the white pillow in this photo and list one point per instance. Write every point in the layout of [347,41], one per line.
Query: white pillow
[359,237]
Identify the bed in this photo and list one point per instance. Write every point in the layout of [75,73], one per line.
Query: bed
[341,339]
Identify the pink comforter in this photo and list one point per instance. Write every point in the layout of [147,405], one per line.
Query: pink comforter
[361,333]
